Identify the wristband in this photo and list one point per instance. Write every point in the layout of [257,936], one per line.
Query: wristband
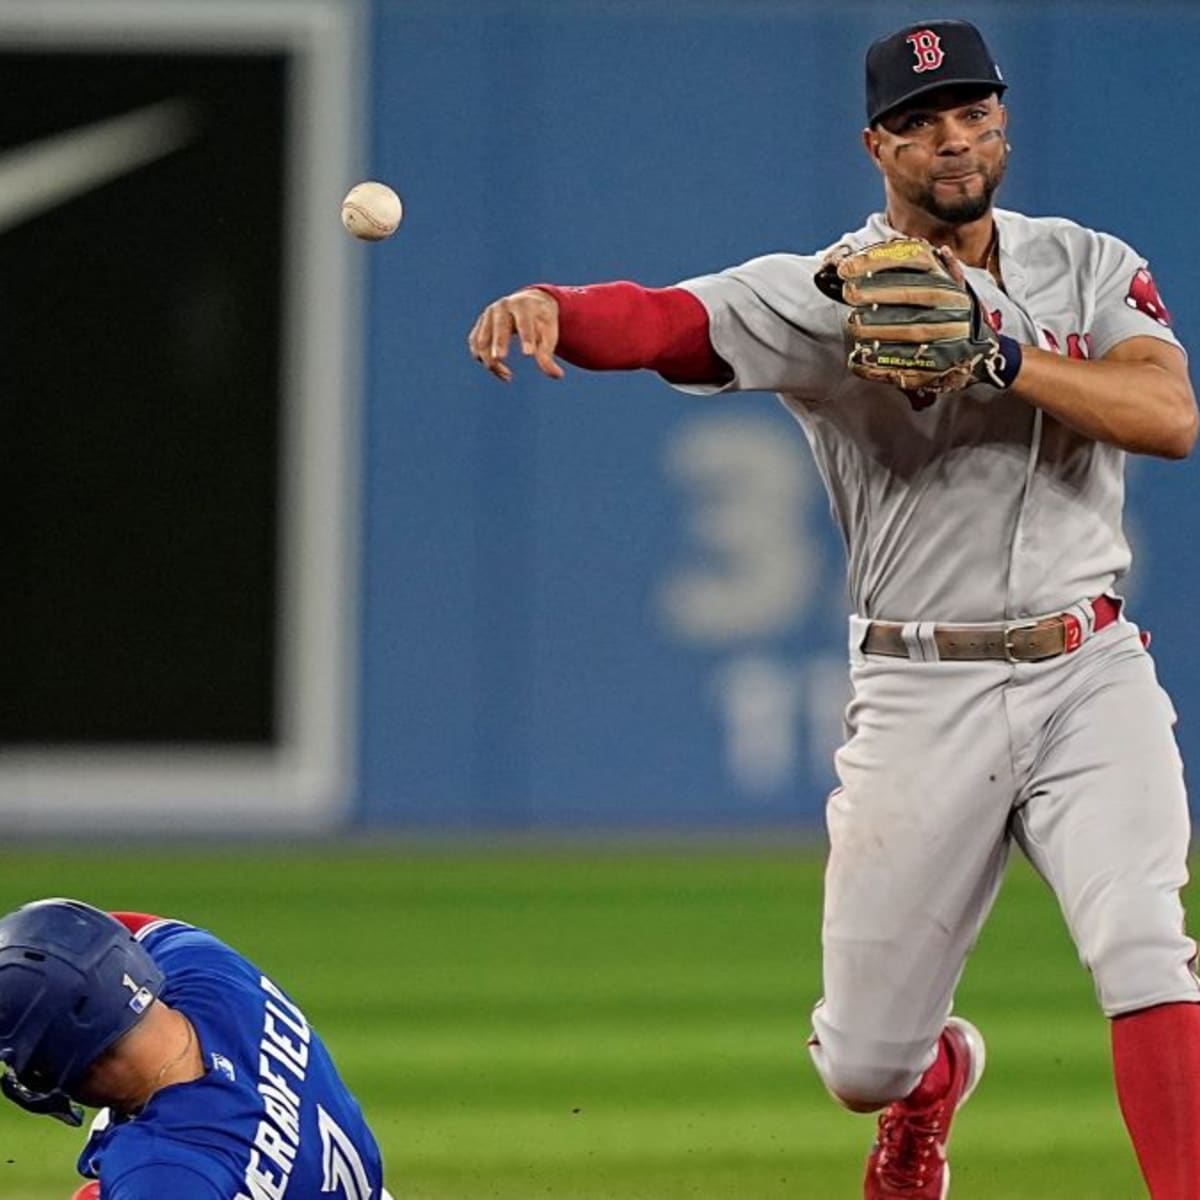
[1007,364]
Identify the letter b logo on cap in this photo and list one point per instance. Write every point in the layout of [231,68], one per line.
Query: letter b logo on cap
[927,46]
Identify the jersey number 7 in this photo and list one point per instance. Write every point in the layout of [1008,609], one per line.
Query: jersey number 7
[345,1174]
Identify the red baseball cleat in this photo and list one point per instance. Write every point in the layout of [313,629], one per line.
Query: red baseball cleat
[908,1159]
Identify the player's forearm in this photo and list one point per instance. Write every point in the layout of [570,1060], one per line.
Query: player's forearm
[1139,406]
[623,326]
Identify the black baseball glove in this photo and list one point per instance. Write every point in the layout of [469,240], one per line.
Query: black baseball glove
[912,324]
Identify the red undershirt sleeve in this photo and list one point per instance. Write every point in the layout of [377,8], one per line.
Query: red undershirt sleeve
[134,922]
[623,326]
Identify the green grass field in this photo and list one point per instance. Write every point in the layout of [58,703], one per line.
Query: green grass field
[606,1024]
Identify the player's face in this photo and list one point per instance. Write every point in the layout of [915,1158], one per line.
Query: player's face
[945,154]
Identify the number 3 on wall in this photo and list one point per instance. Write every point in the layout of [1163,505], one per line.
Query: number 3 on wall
[748,489]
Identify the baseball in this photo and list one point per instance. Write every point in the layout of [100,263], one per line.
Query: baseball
[371,211]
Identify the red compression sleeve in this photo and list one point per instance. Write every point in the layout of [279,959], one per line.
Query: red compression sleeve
[621,326]
[1156,1055]
[134,921]
[89,1191]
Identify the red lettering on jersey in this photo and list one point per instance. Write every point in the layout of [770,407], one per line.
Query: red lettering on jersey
[1079,345]
[1143,295]
[927,46]
[995,318]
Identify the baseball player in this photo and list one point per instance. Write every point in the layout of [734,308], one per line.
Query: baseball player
[211,1082]
[970,380]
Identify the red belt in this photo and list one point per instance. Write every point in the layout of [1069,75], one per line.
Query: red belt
[1008,641]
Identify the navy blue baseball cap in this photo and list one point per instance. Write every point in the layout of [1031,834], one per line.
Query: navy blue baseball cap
[925,56]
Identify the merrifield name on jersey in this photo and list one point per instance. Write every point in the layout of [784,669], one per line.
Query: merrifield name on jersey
[285,1041]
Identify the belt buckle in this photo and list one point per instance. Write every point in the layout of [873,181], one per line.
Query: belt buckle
[1009,629]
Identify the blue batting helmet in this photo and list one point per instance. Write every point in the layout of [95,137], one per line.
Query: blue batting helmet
[72,981]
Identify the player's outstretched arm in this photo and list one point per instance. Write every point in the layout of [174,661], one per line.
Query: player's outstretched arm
[530,314]
[618,326]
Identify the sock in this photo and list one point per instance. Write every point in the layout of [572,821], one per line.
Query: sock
[1156,1060]
[934,1082]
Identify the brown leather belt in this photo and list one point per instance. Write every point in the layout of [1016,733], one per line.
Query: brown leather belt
[1008,641]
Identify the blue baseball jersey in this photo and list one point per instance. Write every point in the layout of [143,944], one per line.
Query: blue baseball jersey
[270,1119]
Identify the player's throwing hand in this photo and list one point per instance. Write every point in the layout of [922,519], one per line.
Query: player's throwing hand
[533,316]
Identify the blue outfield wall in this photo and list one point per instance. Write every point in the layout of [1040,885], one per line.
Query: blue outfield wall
[601,604]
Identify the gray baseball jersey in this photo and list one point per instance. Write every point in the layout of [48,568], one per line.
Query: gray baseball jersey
[978,507]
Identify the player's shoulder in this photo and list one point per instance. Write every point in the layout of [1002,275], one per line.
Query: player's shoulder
[781,265]
[168,937]
[1046,226]
[780,281]
[204,975]
[1036,236]
[787,266]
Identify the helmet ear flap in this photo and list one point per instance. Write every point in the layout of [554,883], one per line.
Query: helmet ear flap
[54,1104]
